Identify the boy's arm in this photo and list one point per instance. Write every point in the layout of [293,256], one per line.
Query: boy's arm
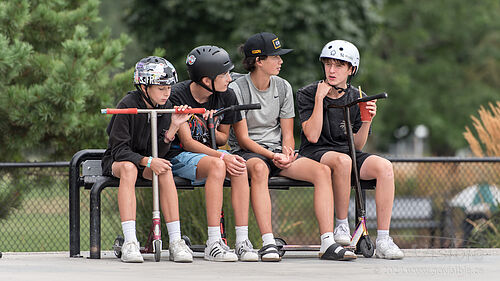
[314,125]
[361,136]
[287,132]
[222,134]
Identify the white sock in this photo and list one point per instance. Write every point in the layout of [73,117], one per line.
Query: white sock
[241,233]
[382,234]
[326,241]
[213,234]
[344,221]
[129,231]
[174,231]
[268,238]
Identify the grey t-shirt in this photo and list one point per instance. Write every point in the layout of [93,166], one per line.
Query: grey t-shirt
[264,124]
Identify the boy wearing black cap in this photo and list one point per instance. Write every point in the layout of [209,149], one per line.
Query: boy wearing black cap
[268,143]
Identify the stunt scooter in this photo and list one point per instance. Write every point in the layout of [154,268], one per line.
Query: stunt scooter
[360,242]
[153,244]
[213,145]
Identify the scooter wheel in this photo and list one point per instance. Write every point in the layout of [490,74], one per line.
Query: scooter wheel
[117,246]
[157,244]
[280,242]
[186,240]
[366,246]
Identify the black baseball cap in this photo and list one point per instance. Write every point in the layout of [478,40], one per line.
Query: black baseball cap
[264,44]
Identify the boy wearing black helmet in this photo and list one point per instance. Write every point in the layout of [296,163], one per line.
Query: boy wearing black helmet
[208,68]
[324,139]
[267,143]
[129,150]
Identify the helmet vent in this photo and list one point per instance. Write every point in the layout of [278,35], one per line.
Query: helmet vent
[329,47]
[341,48]
[214,53]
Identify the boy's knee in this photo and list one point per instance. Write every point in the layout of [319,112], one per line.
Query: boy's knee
[128,169]
[343,161]
[217,167]
[259,170]
[387,169]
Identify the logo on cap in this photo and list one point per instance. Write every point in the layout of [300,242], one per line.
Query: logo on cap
[191,59]
[276,43]
[256,52]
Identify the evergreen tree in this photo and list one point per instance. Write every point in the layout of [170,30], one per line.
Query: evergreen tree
[56,72]
[55,75]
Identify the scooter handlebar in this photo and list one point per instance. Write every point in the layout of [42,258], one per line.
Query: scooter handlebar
[238,108]
[119,111]
[191,111]
[364,99]
[136,110]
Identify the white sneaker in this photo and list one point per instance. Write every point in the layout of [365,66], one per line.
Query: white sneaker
[386,249]
[245,251]
[342,234]
[131,252]
[219,251]
[178,251]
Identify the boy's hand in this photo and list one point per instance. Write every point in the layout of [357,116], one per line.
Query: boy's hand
[235,165]
[160,165]
[371,106]
[323,90]
[179,118]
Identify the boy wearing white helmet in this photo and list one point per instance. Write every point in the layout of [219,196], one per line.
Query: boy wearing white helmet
[128,155]
[324,139]
[267,143]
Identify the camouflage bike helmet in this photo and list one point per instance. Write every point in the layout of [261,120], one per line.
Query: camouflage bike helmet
[153,71]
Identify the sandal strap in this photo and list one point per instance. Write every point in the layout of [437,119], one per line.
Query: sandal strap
[270,248]
[334,253]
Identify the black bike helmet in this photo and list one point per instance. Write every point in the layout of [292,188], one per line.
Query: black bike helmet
[207,61]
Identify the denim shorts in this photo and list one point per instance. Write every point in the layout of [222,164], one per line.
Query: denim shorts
[184,165]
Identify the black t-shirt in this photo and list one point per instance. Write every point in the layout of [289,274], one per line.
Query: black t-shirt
[181,95]
[333,134]
[130,134]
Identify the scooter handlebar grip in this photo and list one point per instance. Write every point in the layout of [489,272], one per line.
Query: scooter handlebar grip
[119,111]
[191,111]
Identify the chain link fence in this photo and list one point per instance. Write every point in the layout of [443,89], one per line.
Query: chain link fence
[439,202]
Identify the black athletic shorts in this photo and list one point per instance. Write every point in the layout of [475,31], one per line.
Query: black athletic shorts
[360,156]
[273,170]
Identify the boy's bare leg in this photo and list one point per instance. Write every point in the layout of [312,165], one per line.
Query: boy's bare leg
[240,197]
[214,170]
[340,164]
[127,173]
[168,194]
[376,167]
[309,170]
[261,200]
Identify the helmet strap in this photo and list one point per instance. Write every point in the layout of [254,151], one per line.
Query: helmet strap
[207,88]
[145,95]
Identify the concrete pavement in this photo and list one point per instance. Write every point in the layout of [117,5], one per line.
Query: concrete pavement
[418,264]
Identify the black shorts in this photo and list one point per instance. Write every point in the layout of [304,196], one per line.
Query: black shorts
[247,155]
[360,156]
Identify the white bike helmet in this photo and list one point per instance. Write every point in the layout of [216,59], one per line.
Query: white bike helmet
[341,50]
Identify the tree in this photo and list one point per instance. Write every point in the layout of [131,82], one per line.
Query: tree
[304,25]
[438,60]
[56,72]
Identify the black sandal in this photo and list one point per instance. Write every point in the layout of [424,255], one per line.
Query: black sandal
[269,249]
[336,252]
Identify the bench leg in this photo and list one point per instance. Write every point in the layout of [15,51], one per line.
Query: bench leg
[95,220]
[74,213]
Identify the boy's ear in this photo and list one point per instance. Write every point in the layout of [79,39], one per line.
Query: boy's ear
[206,81]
